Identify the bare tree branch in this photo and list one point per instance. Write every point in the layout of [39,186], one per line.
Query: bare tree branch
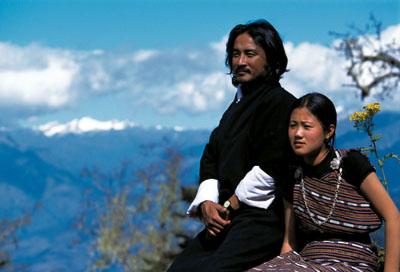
[373,64]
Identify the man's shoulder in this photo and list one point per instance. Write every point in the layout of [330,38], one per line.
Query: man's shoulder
[278,94]
[283,92]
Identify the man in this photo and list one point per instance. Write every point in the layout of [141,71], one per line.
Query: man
[244,161]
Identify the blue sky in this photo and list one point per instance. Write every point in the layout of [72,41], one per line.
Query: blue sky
[162,62]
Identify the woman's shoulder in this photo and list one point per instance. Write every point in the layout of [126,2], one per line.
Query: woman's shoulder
[356,165]
[353,156]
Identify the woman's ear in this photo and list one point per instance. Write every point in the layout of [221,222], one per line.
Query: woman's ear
[331,131]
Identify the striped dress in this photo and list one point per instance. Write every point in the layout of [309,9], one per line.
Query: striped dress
[342,243]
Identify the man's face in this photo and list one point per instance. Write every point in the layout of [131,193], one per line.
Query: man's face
[249,61]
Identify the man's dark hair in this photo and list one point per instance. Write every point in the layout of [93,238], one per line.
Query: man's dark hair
[266,36]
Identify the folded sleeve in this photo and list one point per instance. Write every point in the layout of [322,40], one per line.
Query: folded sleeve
[256,189]
[208,190]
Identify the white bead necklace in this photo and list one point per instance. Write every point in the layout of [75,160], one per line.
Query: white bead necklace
[335,165]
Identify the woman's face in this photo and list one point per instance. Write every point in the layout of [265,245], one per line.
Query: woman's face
[307,136]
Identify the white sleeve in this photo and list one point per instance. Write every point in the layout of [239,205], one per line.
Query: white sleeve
[208,190]
[256,189]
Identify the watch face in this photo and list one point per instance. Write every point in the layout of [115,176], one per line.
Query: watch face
[227,204]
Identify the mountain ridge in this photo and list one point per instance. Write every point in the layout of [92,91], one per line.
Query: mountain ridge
[35,168]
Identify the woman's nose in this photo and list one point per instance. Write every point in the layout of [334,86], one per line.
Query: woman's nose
[299,133]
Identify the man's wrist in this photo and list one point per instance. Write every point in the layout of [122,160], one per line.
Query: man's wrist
[235,203]
[199,208]
[228,205]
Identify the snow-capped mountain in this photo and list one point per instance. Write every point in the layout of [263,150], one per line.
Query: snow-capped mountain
[85,124]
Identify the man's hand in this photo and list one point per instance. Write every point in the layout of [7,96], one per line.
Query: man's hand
[214,216]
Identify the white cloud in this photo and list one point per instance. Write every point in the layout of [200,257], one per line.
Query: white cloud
[178,129]
[83,125]
[46,83]
[143,55]
[172,80]
[391,34]
[220,46]
[197,93]
[36,79]
[317,68]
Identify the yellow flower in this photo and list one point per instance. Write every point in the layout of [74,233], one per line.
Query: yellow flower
[373,107]
[358,116]
[363,119]
[370,111]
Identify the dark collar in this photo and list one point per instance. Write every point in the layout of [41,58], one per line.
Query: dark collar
[257,85]
[322,168]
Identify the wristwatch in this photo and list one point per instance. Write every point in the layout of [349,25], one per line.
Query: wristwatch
[227,205]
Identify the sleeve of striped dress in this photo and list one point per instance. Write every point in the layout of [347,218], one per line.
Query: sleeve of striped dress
[356,167]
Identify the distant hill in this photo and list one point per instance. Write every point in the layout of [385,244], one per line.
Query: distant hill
[37,168]
[107,149]
[27,180]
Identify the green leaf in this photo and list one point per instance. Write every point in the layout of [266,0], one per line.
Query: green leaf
[377,137]
[391,155]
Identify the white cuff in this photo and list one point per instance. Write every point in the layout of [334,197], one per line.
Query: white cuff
[208,190]
[256,189]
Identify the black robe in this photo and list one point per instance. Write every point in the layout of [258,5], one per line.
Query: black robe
[251,132]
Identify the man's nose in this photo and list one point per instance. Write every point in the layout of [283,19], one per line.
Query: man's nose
[242,59]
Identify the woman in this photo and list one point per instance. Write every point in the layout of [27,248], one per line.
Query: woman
[336,201]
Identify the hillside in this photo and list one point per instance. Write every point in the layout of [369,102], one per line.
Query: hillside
[35,168]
